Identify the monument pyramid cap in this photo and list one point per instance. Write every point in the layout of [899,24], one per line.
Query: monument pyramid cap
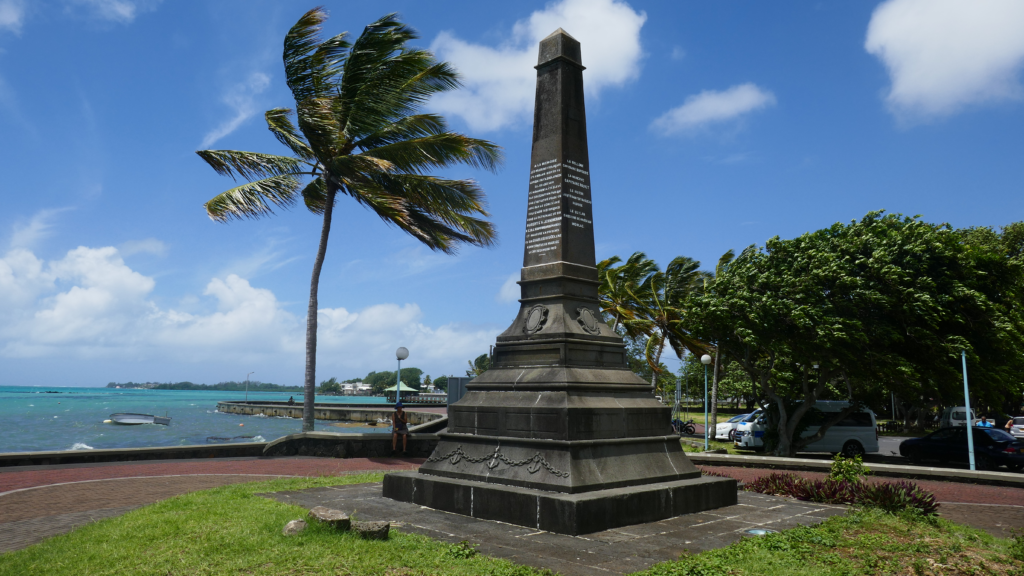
[559,31]
[559,45]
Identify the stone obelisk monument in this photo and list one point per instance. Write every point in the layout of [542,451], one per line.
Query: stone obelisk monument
[559,434]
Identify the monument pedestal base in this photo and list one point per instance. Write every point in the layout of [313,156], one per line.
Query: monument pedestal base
[572,514]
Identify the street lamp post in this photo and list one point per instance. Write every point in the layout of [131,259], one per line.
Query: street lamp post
[705,360]
[247,385]
[402,353]
[967,405]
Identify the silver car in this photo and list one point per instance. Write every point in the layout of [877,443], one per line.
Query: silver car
[1017,430]
[726,430]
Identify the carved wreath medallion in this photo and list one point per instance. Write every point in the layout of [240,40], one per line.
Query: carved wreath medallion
[536,318]
[587,320]
[533,463]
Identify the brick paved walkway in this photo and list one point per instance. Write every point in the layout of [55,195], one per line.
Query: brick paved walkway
[26,477]
[41,501]
[999,510]
[45,501]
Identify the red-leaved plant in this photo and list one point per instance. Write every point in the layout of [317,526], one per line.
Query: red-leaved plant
[889,496]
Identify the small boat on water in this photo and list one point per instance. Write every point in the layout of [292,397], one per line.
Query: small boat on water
[130,419]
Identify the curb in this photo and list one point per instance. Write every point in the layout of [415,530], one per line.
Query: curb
[1011,479]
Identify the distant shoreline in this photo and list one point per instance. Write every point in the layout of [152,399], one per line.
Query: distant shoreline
[222,386]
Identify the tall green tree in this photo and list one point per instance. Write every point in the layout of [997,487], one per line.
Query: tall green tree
[887,299]
[331,386]
[358,132]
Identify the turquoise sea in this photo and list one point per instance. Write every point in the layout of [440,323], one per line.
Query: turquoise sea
[36,418]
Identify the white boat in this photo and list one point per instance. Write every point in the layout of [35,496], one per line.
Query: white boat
[130,419]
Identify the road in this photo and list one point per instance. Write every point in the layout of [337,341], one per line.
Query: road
[890,445]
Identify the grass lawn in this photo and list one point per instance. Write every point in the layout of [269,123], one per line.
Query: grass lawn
[697,445]
[229,530]
[862,542]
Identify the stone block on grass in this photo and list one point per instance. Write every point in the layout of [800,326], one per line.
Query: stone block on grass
[335,518]
[372,530]
[294,527]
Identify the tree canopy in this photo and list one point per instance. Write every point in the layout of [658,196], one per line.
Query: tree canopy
[887,302]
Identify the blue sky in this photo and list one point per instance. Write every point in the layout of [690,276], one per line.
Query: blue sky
[712,126]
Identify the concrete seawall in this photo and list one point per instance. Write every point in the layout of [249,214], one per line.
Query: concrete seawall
[240,449]
[324,412]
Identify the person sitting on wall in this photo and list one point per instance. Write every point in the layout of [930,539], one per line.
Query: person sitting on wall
[291,400]
[399,426]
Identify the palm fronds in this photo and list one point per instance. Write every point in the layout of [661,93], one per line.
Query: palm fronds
[249,165]
[253,199]
[280,124]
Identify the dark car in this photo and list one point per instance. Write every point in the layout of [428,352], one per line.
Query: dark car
[992,448]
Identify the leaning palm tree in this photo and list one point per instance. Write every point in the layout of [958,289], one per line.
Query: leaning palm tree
[619,283]
[358,131]
[661,312]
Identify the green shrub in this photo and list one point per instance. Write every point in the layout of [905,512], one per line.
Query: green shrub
[462,550]
[1017,546]
[850,469]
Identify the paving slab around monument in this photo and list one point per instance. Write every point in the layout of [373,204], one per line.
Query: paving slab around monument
[617,551]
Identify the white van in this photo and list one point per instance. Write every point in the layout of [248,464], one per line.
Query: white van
[956,416]
[851,436]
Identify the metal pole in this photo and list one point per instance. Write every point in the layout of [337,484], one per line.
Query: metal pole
[967,405]
[247,385]
[705,407]
[398,392]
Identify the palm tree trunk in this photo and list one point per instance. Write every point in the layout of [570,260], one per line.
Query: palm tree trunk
[714,391]
[311,316]
[657,364]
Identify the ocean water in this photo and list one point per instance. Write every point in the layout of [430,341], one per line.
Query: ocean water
[33,419]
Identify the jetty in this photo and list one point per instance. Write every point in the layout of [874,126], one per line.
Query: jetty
[418,413]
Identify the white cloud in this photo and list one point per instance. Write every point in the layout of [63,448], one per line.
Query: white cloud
[263,260]
[509,290]
[678,53]
[369,338]
[37,228]
[12,15]
[89,306]
[144,246]
[500,80]
[943,55]
[711,107]
[120,11]
[242,99]
[22,278]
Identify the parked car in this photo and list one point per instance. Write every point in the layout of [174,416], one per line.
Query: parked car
[727,430]
[1017,430]
[992,448]
[956,416]
[749,434]
[851,436]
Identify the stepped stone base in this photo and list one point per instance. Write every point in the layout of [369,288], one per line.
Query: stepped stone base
[562,513]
